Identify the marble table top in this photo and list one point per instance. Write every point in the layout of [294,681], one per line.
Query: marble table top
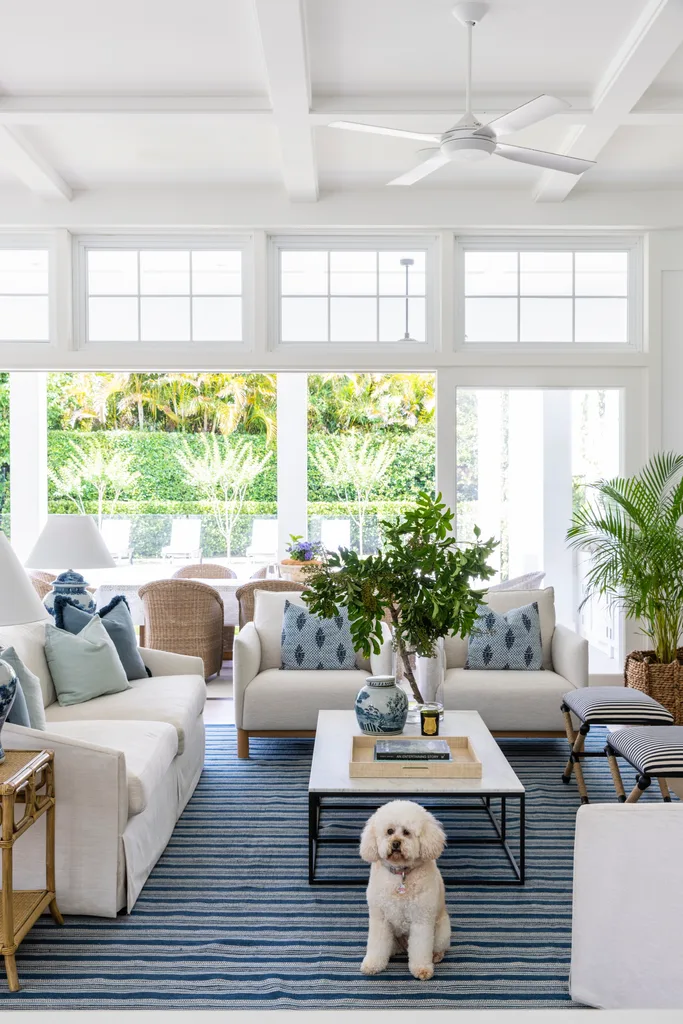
[332,753]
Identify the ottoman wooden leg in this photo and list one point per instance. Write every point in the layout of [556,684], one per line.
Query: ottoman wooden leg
[571,739]
[574,763]
[664,788]
[616,775]
[638,790]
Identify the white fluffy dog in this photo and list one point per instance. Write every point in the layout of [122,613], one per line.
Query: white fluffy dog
[406,897]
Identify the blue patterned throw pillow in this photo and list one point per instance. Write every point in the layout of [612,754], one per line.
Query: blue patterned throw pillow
[309,642]
[509,641]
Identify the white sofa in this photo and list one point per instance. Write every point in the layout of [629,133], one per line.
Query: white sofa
[125,766]
[527,703]
[628,907]
[270,701]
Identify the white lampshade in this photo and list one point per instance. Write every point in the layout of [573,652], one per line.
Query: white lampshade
[18,600]
[70,542]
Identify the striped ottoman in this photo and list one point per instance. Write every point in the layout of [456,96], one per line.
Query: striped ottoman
[604,705]
[654,752]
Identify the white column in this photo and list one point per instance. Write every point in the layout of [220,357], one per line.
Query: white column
[489,514]
[292,457]
[28,458]
[525,481]
[557,500]
[446,436]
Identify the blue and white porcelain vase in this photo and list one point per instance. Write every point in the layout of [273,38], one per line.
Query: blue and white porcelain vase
[70,584]
[8,689]
[381,707]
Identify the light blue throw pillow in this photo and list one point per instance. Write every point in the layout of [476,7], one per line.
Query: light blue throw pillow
[30,688]
[509,641]
[309,642]
[18,713]
[117,621]
[85,665]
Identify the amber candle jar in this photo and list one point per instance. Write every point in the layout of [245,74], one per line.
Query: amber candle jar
[429,719]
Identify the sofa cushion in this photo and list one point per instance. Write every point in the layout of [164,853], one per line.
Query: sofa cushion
[283,699]
[30,688]
[177,700]
[508,700]
[502,601]
[117,621]
[506,641]
[319,645]
[28,640]
[149,749]
[85,665]
[269,610]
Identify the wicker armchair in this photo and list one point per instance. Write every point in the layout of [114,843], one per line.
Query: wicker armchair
[211,571]
[205,571]
[42,582]
[245,595]
[185,617]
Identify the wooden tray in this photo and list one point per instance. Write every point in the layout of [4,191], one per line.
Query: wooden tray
[464,763]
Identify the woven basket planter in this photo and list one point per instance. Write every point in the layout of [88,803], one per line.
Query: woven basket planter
[664,683]
[291,569]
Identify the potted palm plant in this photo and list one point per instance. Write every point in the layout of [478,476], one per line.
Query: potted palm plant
[631,529]
[420,582]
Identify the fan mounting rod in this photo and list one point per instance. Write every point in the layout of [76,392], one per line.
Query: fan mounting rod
[469,14]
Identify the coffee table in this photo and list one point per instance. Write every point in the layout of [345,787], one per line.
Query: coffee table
[330,779]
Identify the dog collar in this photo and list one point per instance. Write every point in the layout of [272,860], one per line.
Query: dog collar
[401,889]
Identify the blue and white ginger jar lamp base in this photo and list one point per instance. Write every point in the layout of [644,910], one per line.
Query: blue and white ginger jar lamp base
[8,689]
[70,584]
[381,707]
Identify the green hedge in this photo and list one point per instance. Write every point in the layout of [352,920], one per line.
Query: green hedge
[162,479]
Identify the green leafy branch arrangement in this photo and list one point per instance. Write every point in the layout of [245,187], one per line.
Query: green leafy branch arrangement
[420,582]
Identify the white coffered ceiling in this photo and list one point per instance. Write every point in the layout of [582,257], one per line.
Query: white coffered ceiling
[240,92]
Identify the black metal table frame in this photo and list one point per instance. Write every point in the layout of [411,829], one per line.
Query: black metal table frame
[483,804]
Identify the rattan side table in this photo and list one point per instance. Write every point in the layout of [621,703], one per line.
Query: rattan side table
[26,777]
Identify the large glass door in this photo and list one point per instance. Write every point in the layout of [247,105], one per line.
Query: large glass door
[525,459]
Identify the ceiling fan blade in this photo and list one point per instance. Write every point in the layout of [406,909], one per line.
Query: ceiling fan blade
[538,158]
[528,114]
[373,129]
[422,170]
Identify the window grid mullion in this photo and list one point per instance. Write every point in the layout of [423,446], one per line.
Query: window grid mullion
[519,299]
[191,302]
[573,298]
[139,299]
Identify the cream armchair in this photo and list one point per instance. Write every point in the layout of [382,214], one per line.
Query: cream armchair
[270,701]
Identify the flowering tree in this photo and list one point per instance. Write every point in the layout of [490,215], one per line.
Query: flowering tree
[354,467]
[222,472]
[109,476]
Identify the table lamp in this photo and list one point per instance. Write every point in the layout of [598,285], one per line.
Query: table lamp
[68,540]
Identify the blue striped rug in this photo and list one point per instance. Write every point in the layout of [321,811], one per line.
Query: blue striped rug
[227,919]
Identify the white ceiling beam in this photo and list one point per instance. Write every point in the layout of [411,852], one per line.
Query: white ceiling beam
[41,109]
[398,105]
[283,39]
[652,41]
[20,157]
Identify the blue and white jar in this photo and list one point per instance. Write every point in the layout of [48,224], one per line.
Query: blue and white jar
[381,707]
[8,690]
[70,584]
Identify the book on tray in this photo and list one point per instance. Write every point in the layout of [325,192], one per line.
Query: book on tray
[412,750]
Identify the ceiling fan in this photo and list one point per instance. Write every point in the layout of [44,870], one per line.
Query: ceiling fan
[469,140]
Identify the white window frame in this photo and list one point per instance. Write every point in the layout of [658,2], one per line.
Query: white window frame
[49,244]
[82,244]
[429,244]
[632,245]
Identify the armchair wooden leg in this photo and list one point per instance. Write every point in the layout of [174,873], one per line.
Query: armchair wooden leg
[242,743]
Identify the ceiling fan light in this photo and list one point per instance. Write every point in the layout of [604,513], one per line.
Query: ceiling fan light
[468,149]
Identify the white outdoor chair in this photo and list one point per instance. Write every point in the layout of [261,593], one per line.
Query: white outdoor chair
[116,535]
[264,540]
[335,534]
[185,543]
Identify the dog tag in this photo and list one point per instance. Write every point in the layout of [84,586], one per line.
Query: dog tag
[402,887]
